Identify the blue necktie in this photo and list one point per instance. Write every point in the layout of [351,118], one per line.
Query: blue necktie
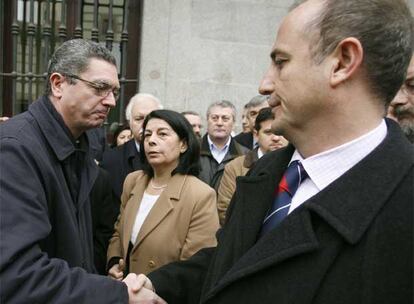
[288,185]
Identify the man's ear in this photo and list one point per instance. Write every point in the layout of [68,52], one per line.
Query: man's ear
[347,57]
[56,82]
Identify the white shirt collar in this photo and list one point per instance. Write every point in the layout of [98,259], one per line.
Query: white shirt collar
[259,153]
[325,167]
[137,145]
[212,145]
[217,153]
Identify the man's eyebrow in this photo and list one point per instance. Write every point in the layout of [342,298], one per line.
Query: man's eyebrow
[276,52]
[105,82]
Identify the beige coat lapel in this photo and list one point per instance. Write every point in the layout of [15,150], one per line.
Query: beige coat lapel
[164,205]
[132,207]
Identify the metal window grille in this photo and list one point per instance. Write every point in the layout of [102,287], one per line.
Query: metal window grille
[32,29]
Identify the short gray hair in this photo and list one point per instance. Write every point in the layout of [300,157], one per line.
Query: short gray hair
[72,57]
[384,28]
[223,104]
[257,101]
[137,98]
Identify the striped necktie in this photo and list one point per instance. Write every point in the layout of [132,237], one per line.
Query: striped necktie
[288,185]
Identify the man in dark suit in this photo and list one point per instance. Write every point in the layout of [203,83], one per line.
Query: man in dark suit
[47,173]
[253,107]
[124,159]
[217,146]
[339,227]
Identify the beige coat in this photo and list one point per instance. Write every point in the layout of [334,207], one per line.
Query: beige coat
[183,220]
[237,167]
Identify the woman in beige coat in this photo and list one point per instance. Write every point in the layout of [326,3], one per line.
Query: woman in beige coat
[167,214]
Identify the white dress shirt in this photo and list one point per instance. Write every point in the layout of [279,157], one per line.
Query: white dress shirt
[217,153]
[326,167]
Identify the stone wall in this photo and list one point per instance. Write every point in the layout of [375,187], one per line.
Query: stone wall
[195,52]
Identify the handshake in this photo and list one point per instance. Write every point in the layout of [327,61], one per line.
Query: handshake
[140,289]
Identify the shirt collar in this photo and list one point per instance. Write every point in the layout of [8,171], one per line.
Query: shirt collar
[214,147]
[137,145]
[325,167]
[259,153]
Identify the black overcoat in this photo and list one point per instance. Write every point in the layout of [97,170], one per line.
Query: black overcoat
[119,162]
[350,243]
[46,245]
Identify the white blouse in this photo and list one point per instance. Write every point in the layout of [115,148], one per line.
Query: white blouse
[148,201]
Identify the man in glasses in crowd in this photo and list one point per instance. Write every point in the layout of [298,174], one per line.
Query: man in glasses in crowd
[47,173]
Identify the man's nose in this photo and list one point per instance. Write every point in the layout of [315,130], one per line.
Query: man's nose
[275,137]
[400,99]
[110,100]
[266,86]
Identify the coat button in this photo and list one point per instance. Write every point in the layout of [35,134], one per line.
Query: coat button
[151,264]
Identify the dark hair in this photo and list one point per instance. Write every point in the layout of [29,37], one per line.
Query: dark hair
[385,30]
[189,160]
[72,57]
[117,131]
[264,114]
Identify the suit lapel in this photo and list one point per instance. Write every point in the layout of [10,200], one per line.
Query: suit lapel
[293,237]
[87,181]
[133,156]
[352,211]
[345,208]
[132,207]
[163,206]
[250,203]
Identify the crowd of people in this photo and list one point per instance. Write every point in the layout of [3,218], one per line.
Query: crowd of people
[311,203]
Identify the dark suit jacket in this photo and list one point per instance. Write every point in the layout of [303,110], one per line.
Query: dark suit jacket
[97,142]
[211,171]
[105,210]
[245,139]
[350,243]
[119,162]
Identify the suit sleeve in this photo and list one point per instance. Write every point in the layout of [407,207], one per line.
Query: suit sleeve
[115,243]
[226,191]
[105,210]
[203,225]
[182,282]
[27,274]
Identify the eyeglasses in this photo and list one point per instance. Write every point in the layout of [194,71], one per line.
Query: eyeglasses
[102,89]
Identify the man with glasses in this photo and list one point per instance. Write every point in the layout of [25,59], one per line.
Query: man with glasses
[47,173]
